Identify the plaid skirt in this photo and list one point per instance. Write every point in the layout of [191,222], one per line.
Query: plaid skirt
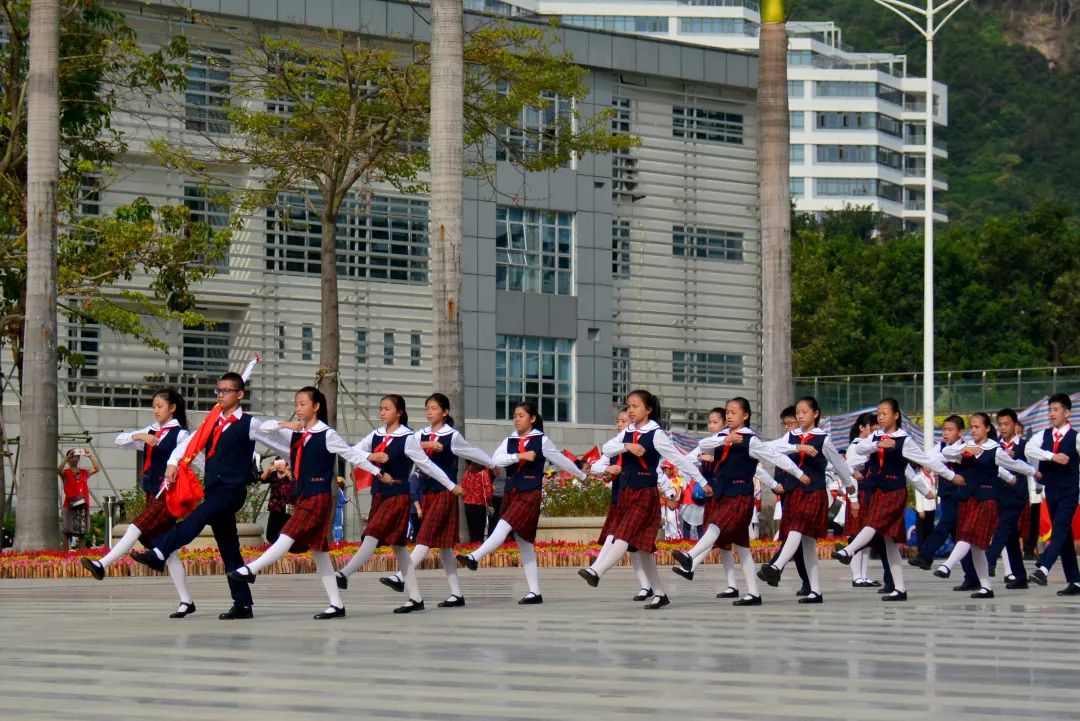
[439,522]
[521,509]
[611,522]
[155,521]
[886,513]
[807,511]
[388,520]
[309,523]
[853,521]
[978,520]
[639,518]
[732,515]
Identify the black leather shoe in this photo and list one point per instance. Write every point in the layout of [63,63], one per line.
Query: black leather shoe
[920,562]
[1010,578]
[688,575]
[942,572]
[467,561]
[96,569]
[531,600]
[813,598]
[887,588]
[452,602]
[1017,585]
[803,592]
[336,613]
[643,595]
[1071,590]
[248,577]
[684,559]
[1037,576]
[342,580]
[395,584]
[874,584]
[841,557]
[983,593]
[965,586]
[183,610]
[748,601]
[410,607]
[729,592]
[236,612]
[657,602]
[150,559]
[895,596]
[770,574]
[590,576]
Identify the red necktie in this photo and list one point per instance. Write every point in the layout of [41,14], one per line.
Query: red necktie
[382,447]
[641,459]
[429,451]
[150,449]
[217,433]
[804,439]
[727,449]
[1057,441]
[881,452]
[523,444]
[298,448]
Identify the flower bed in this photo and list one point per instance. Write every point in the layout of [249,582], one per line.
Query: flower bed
[205,562]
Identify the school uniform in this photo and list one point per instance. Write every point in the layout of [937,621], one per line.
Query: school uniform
[949,505]
[614,512]
[1012,510]
[807,505]
[155,518]
[1062,493]
[440,525]
[524,480]
[887,478]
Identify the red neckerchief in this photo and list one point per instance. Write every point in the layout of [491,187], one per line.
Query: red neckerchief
[727,449]
[431,438]
[217,433]
[804,438]
[641,459]
[881,451]
[150,449]
[1057,439]
[298,449]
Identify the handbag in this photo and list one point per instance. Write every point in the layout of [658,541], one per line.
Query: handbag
[697,495]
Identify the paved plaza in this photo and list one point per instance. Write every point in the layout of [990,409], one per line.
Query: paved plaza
[85,650]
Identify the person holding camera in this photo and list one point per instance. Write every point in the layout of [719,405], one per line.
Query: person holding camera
[281,481]
[76,508]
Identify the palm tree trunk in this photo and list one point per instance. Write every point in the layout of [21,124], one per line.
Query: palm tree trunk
[38,498]
[777,383]
[330,331]
[447,148]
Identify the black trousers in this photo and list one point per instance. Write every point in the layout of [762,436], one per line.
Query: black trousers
[924,525]
[218,510]
[1007,536]
[475,518]
[1031,543]
[274,524]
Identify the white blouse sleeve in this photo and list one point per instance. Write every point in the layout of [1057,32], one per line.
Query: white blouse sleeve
[766,478]
[769,453]
[1034,452]
[916,455]
[613,447]
[271,440]
[501,458]
[919,481]
[463,449]
[125,440]
[336,444]
[556,458]
[668,450]
[839,463]
[600,465]
[423,462]
[1004,460]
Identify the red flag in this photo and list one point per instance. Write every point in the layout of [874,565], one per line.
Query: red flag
[593,455]
[569,455]
[1045,524]
[185,493]
[361,478]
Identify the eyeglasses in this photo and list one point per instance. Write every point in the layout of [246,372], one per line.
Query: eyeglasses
[225,391]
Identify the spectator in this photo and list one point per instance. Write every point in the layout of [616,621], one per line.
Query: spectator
[339,511]
[498,486]
[279,477]
[76,509]
[478,495]
[416,515]
[692,513]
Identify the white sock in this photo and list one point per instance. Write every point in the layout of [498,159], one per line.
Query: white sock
[419,553]
[863,559]
[449,564]
[325,568]
[528,562]
[652,575]
[792,545]
[706,542]
[729,567]
[159,554]
[367,547]
[178,576]
[860,541]
[125,544]
[1045,570]
[605,550]
[617,551]
[278,550]
[749,570]
[639,571]
[809,551]
[698,560]
[1008,562]
[406,573]
[892,551]
[496,539]
[960,550]
[982,568]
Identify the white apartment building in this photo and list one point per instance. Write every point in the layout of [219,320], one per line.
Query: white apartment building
[858,123]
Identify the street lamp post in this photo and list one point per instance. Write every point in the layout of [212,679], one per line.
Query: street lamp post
[927,21]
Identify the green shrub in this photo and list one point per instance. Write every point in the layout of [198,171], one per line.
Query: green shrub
[575,498]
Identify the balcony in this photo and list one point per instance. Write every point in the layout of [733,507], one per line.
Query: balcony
[918,172]
[920,139]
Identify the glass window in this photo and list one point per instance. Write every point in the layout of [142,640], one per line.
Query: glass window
[718,26]
[798,120]
[795,88]
[414,349]
[534,369]
[709,125]
[206,348]
[620,248]
[207,94]
[715,244]
[797,153]
[619,23]
[361,347]
[307,342]
[388,348]
[620,375]
[797,187]
[706,368]
[209,205]
[534,251]
[281,337]
[537,131]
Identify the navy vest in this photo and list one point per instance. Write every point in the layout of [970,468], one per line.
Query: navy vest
[444,459]
[317,465]
[812,466]
[159,459]
[887,476]
[399,466]
[947,490]
[1015,496]
[526,475]
[1055,476]
[231,463]
[735,474]
[639,472]
[980,477]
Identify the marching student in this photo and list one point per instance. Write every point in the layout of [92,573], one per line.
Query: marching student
[314,449]
[157,441]
[1012,506]
[394,448]
[523,454]
[808,503]
[789,484]
[644,445]
[228,436]
[731,491]
[863,427]
[889,450]
[985,465]
[439,507]
[948,499]
[1029,532]
[1056,450]
[604,466]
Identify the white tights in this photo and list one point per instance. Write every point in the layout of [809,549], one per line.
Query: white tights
[525,551]
[635,562]
[449,564]
[176,567]
[978,559]
[367,548]
[728,557]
